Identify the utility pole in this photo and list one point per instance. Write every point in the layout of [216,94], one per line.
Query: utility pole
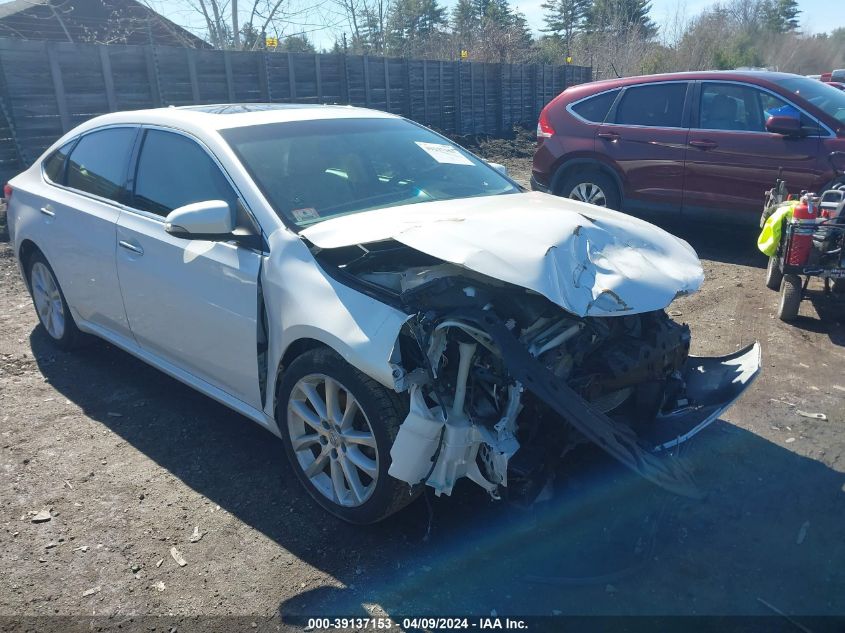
[235,27]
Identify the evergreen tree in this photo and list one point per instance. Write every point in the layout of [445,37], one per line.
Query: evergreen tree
[564,18]
[780,16]
[490,29]
[297,44]
[371,38]
[411,23]
[621,15]
[519,27]
[465,22]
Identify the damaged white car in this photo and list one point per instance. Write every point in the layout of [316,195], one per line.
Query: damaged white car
[399,312]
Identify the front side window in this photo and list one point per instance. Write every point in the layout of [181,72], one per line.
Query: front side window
[595,109]
[98,163]
[653,105]
[173,171]
[54,164]
[738,107]
[826,98]
[314,170]
[729,107]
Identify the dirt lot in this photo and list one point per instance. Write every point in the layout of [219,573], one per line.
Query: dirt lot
[130,462]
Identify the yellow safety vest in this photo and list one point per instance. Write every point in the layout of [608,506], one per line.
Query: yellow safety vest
[770,235]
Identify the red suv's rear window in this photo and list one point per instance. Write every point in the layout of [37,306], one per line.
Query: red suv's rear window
[595,109]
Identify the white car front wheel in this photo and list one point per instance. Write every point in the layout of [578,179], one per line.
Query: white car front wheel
[338,426]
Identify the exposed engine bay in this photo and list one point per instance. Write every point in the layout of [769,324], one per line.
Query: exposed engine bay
[503,382]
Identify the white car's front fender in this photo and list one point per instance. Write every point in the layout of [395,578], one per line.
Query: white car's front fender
[303,302]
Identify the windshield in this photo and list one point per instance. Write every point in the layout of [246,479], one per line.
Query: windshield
[824,97]
[311,171]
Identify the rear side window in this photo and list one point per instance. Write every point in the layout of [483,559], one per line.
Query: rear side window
[174,171]
[98,163]
[595,109]
[655,105]
[54,165]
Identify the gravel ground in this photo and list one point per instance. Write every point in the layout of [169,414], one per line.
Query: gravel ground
[131,464]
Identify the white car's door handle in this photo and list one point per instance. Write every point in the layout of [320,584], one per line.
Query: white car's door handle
[46,210]
[129,246]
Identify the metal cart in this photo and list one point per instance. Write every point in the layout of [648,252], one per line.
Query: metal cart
[826,256]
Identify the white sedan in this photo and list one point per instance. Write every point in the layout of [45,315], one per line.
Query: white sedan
[398,311]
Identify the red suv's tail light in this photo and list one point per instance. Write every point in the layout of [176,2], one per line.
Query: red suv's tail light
[7,191]
[544,128]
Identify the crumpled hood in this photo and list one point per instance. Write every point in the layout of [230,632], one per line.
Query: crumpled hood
[588,260]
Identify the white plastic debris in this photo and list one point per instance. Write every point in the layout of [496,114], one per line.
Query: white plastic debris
[42,516]
[177,556]
[197,535]
[812,416]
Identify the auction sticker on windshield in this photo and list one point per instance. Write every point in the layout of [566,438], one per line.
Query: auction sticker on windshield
[444,153]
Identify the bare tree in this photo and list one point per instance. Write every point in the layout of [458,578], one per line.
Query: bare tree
[243,26]
[619,49]
[365,21]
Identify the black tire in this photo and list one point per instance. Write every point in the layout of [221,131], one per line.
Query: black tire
[591,178]
[70,337]
[790,298]
[773,274]
[384,410]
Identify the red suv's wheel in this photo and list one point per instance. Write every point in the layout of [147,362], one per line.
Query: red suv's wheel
[592,187]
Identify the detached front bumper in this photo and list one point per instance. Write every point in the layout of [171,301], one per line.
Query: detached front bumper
[713,384]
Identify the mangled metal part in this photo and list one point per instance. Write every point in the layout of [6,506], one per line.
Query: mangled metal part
[439,450]
[616,438]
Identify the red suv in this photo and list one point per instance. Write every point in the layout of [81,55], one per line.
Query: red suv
[696,143]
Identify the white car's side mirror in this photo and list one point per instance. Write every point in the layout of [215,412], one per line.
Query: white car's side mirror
[201,220]
[499,168]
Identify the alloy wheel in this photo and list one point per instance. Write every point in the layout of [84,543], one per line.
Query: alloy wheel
[332,439]
[48,300]
[590,193]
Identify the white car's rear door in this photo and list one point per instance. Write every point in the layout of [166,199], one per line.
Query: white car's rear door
[79,204]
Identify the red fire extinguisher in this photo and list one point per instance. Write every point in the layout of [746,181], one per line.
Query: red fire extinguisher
[802,242]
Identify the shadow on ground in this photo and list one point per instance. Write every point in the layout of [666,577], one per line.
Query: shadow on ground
[830,309]
[607,543]
[731,244]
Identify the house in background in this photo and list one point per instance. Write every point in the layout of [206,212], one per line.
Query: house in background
[92,21]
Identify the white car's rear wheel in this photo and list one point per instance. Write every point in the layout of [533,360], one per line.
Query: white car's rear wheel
[338,426]
[50,304]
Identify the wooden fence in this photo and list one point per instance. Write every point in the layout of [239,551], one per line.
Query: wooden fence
[47,88]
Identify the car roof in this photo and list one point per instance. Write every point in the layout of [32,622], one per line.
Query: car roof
[199,118]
